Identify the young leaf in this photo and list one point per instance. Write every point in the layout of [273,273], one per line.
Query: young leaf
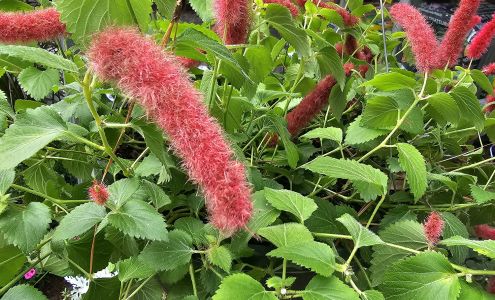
[25,292]
[330,133]
[38,83]
[408,234]
[86,17]
[486,247]
[292,202]
[30,133]
[362,236]
[25,227]
[391,81]
[177,251]
[286,234]
[350,170]
[79,220]
[38,56]
[427,275]
[315,256]
[357,134]
[139,219]
[328,288]
[469,106]
[242,286]
[280,18]
[221,257]
[414,164]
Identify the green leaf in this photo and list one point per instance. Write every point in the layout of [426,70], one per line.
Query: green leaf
[38,83]
[292,202]
[329,133]
[280,18]
[414,164]
[373,295]
[134,268]
[156,194]
[286,234]
[427,275]
[380,113]
[11,260]
[79,220]
[83,18]
[242,286]
[480,195]
[443,179]
[25,227]
[408,234]
[123,190]
[175,252]
[391,81]
[469,106]
[194,227]
[204,9]
[38,56]
[328,288]
[350,170]
[486,247]
[221,257]
[7,177]
[103,289]
[481,80]
[24,292]
[166,7]
[263,213]
[139,219]
[30,133]
[454,227]
[362,236]
[330,63]
[470,292]
[443,108]
[317,257]
[290,149]
[357,134]
[14,5]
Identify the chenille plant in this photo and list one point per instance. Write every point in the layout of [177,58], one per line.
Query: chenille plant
[272,150]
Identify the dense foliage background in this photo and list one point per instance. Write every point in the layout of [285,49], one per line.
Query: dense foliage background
[338,205]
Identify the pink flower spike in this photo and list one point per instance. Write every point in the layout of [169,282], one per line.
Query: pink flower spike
[433,227]
[98,193]
[348,67]
[485,231]
[460,24]
[38,25]
[233,20]
[188,63]
[482,40]
[423,41]
[287,3]
[489,69]
[30,274]
[151,76]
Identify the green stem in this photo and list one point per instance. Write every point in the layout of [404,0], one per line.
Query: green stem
[332,235]
[375,211]
[49,198]
[193,280]
[474,165]
[85,141]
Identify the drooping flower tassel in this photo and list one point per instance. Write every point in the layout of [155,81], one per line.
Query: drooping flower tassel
[482,40]
[463,20]
[433,227]
[287,3]
[485,232]
[38,25]
[423,41]
[148,74]
[233,20]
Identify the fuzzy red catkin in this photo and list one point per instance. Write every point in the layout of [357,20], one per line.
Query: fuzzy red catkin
[489,69]
[423,41]
[38,25]
[350,45]
[485,232]
[188,63]
[460,24]
[310,106]
[233,20]
[482,40]
[287,3]
[98,192]
[151,76]
[433,227]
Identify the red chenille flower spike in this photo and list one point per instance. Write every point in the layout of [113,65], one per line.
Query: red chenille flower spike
[433,227]
[485,232]
[152,77]
[233,20]
[489,69]
[98,192]
[482,40]
[38,25]
[287,3]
